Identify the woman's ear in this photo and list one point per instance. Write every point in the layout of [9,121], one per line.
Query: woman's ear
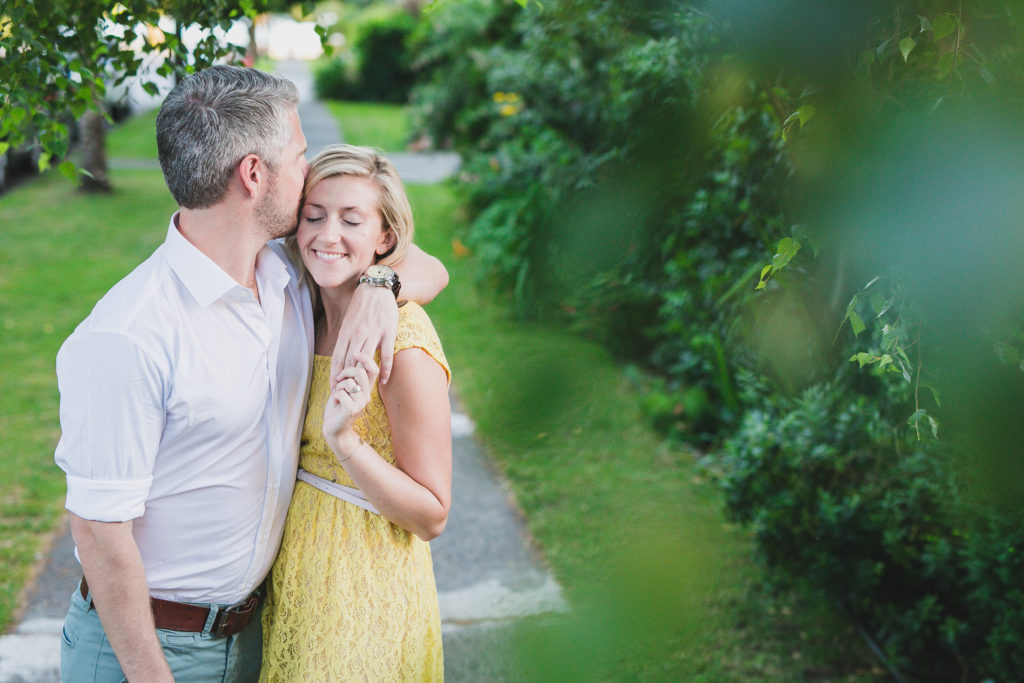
[387,242]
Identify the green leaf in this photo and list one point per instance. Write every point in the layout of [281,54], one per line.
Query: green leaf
[862,358]
[68,170]
[856,324]
[907,46]
[943,25]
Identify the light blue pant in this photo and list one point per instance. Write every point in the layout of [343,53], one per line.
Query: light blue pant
[86,655]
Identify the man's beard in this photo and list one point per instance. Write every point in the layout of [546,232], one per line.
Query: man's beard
[274,218]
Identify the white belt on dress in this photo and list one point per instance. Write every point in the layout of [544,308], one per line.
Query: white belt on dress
[346,493]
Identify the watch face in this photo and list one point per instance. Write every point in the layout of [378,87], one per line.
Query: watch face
[377,271]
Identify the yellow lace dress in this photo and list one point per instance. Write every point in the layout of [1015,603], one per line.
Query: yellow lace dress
[352,596]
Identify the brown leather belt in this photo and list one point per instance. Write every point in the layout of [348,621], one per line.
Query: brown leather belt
[180,616]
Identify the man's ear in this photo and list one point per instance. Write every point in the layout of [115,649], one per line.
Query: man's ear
[251,174]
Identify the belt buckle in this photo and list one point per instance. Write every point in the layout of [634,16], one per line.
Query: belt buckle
[243,610]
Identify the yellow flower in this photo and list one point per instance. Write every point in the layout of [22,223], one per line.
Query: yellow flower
[459,248]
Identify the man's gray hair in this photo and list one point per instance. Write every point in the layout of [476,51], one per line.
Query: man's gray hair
[211,120]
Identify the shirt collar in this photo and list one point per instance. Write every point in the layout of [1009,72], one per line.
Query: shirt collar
[272,269]
[205,280]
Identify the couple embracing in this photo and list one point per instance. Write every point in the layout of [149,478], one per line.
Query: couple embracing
[243,506]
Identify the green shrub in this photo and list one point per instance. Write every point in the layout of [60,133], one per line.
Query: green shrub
[334,78]
[384,73]
[879,524]
[631,168]
[375,66]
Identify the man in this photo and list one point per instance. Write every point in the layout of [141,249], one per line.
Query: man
[183,394]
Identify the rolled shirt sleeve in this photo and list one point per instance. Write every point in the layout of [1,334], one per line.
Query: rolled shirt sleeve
[112,417]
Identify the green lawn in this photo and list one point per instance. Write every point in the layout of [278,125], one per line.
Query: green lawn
[662,587]
[56,264]
[134,138]
[373,125]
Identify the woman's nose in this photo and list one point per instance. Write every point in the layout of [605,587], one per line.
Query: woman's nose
[332,230]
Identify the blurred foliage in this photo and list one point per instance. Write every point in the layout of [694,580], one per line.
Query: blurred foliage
[801,222]
[374,64]
[59,57]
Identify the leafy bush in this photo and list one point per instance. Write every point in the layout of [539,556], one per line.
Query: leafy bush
[334,78]
[879,523]
[376,66]
[639,171]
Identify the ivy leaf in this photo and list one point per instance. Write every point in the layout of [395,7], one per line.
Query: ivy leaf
[855,323]
[68,170]
[943,25]
[907,46]
[862,358]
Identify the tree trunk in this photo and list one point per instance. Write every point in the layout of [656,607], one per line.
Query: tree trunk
[94,152]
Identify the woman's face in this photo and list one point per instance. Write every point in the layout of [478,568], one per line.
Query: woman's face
[341,230]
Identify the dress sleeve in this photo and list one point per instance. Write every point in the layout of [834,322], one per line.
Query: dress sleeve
[112,417]
[416,331]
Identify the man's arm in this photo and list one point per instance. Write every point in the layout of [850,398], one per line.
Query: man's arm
[117,583]
[371,321]
[422,276]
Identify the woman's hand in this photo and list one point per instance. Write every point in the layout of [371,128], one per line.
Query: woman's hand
[370,323]
[350,396]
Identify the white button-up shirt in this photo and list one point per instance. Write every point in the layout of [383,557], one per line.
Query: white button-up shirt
[181,408]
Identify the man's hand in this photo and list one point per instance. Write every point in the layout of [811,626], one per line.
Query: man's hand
[117,582]
[370,323]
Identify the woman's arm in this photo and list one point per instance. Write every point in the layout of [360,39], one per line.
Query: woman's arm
[415,494]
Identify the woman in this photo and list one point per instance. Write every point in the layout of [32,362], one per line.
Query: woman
[352,593]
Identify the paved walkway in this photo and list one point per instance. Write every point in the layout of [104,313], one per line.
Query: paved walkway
[488,573]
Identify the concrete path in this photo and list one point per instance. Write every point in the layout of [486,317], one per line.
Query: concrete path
[487,569]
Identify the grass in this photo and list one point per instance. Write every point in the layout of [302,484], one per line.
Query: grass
[56,265]
[662,587]
[374,125]
[134,138]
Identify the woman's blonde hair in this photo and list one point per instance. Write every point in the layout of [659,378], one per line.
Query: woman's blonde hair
[392,202]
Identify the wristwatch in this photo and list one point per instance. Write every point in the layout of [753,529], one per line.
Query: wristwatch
[379,275]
